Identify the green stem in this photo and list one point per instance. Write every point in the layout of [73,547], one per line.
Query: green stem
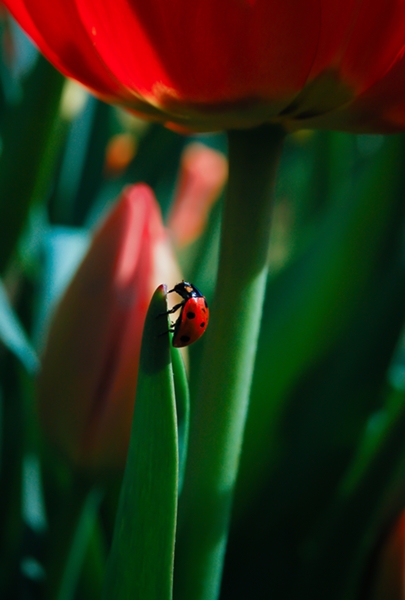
[218,418]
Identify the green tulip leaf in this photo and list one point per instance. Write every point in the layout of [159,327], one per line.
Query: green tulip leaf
[140,564]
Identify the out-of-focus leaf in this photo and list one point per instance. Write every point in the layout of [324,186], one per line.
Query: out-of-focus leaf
[347,531]
[80,542]
[141,559]
[92,574]
[312,300]
[156,163]
[72,519]
[64,247]
[26,135]
[81,173]
[13,335]
[32,501]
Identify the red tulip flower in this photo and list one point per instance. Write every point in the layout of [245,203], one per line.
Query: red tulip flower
[208,65]
[86,388]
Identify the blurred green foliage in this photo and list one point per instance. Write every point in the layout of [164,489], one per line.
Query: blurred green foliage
[324,454]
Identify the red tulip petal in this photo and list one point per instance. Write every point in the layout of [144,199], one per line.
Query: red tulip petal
[205,65]
[56,29]
[204,51]
[382,107]
[376,41]
[336,26]
[325,90]
[358,44]
[359,40]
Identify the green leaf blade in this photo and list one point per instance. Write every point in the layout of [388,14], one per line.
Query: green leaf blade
[141,560]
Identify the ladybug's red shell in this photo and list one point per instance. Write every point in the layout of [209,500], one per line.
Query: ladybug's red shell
[192,322]
[194,315]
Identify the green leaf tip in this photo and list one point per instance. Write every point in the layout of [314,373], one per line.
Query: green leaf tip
[155,352]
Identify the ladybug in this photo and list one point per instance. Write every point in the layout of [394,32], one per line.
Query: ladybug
[194,315]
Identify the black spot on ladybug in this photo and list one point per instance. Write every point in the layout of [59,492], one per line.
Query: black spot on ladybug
[190,315]
[202,324]
[205,302]
[185,339]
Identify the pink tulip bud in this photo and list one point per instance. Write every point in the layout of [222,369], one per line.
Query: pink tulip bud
[203,173]
[86,388]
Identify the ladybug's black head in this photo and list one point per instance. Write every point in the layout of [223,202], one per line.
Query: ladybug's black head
[186,290]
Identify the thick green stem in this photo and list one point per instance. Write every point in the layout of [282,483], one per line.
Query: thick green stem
[218,418]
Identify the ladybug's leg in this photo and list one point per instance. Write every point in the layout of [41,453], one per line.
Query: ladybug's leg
[169,312]
[170,330]
[172,310]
